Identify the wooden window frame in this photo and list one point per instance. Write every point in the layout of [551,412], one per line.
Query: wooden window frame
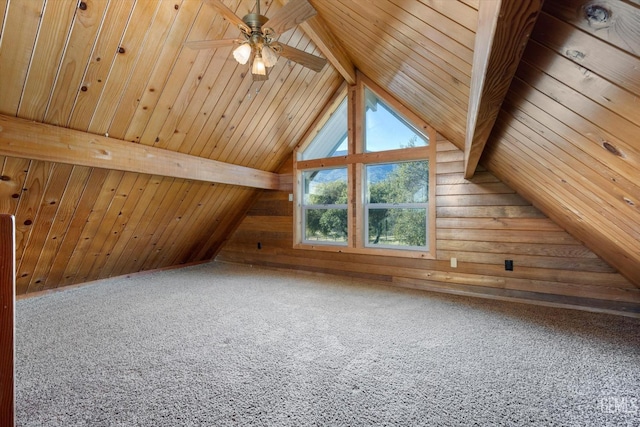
[355,161]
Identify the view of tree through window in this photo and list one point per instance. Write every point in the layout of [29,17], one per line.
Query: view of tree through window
[325,206]
[396,203]
[382,179]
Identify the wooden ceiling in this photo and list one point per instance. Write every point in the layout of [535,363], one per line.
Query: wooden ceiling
[99,76]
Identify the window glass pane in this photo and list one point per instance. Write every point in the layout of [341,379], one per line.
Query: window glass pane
[387,130]
[397,227]
[404,182]
[326,225]
[331,140]
[325,187]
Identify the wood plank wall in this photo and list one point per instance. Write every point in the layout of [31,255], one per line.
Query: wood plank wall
[481,222]
[7,320]
[567,135]
[76,224]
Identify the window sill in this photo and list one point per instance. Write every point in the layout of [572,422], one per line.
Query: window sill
[401,253]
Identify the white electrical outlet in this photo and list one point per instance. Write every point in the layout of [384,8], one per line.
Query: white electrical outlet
[454,262]
[291,197]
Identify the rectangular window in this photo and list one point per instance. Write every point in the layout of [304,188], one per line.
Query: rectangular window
[397,205]
[324,206]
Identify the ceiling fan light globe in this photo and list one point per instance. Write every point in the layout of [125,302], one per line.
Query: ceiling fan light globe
[259,66]
[242,53]
[269,56]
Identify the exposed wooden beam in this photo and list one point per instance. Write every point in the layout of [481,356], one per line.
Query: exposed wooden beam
[504,27]
[7,326]
[326,41]
[39,141]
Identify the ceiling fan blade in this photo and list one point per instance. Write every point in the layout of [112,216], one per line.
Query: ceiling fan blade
[308,60]
[291,14]
[211,44]
[229,15]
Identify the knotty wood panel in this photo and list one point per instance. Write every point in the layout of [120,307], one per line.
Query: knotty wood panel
[548,261]
[567,137]
[7,319]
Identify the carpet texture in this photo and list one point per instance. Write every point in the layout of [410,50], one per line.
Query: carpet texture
[227,345]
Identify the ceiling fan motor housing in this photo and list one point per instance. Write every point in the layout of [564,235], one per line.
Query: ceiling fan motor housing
[255,21]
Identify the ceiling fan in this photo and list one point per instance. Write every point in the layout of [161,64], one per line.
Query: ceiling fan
[259,32]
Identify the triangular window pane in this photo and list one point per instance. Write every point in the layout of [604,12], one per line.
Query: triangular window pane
[331,140]
[387,130]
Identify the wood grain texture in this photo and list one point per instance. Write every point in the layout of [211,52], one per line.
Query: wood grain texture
[504,29]
[567,142]
[20,138]
[478,234]
[7,320]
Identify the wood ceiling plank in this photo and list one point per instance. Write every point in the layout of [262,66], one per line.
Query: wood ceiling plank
[67,208]
[304,111]
[448,70]
[188,77]
[148,60]
[591,85]
[383,69]
[181,220]
[14,173]
[184,80]
[445,24]
[259,112]
[571,141]
[21,27]
[561,204]
[49,48]
[419,88]
[3,9]
[503,31]
[130,49]
[85,28]
[90,227]
[615,22]
[617,66]
[475,4]
[426,40]
[161,220]
[102,57]
[455,10]
[594,190]
[289,116]
[30,200]
[218,204]
[202,134]
[138,247]
[72,235]
[144,193]
[94,253]
[20,138]
[114,234]
[330,46]
[163,68]
[610,136]
[53,191]
[200,215]
[218,228]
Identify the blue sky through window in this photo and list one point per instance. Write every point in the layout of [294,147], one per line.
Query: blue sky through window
[386,130]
